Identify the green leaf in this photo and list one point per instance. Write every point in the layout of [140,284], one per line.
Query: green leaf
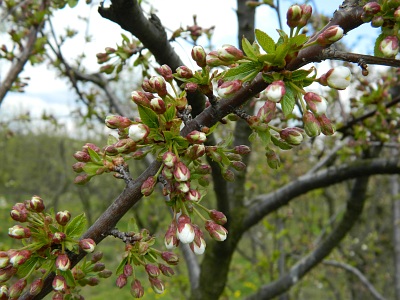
[170,113]
[121,266]
[281,52]
[265,137]
[111,140]
[288,101]
[95,156]
[27,266]
[298,40]
[76,226]
[148,116]
[248,49]
[300,75]
[245,72]
[265,41]
[91,168]
[68,277]
[377,50]
[279,143]
[125,38]
[132,225]
[268,58]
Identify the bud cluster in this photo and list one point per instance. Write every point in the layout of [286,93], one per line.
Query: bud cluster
[48,238]
[297,16]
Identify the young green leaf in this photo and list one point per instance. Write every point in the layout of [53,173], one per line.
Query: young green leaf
[170,113]
[298,40]
[76,226]
[265,41]
[91,168]
[377,50]
[148,116]
[27,267]
[95,157]
[244,72]
[121,266]
[288,101]
[248,49]
[281,144]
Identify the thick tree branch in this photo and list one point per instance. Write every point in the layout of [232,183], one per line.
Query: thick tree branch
[355,205]
[364,280]
[267,203]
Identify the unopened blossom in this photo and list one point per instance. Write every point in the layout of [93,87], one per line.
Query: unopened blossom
[137,290]
[4,259]
[19,213]
[4,292]
[167,271]
[18,258]
[19,232]
[82,156]
[7,272]
[59,284]
[62,262]
[316,103]
[63,217]
[330,35]
[140,98]
[184,72]
[183,186]
[229,53]
[193,195]
[273,160]
[275,91]
[326,125]
[158,105]
[157,285]
[87,245]
[198,245]
[311,124]
[181,172]
[158,85]
[169,159]
[166,72]
[389,46]
[199,56]
[170,257]
[58,237]
[171,240]
[372,8]
[266,112]
[138,132]
[195,151]
[293,16]
[213,60]
[17,288]
[121,281]
[196,137]
[229,88]
[242,149]
[337,78]
[292,135]
[216,231]
[116,121]
[36,286]
[306,12]
[185,231]
[152,270]
[36,204]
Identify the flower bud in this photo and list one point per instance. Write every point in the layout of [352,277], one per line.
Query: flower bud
[330,35]
[4,259]
[98,267]
[217,216]
[193,195]
[158,105]
[327,127]
[116,122]
[191,87]
[199,56]
[36,286]
[87,245]
[242,149]
[169,159]
[292,135]
[229,88]
[203,169]
[19,213]
[82,179]
[36,204]
[58,237]
[306,12]
[273,160]
[62,262]
[167,271]
[105,273]
[57,296]
[184,72]
[183,186]
[316,103]
[148,186]
[293,16]
[63,217]
[166,72]
[17,288]
[137,290]
[59,284]
[196,137]
[229,53]
[128,270]
[97,256]
[82,156]
[377,21]
[275,91]
[170,257]
[157,285]
[138,132]
[213,60]
[216,231]
[78,167]
[4,292]
[185,231]
[372,8]
[18,258]
[311,124]
[195,151]
[121,281]
[158,85]
[152,270]
[140,98]
[19,232]
[198,245]
[337,78]
[228,175]
[181,172]
[389,46]
[7,272]
[171,240]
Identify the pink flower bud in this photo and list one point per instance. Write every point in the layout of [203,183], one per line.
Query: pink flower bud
[242,149]
[82,179]
[171,240]
[36,204]
[195,151]
[82,156]
[59,284]
[184,72]
[213,60]
[272,159]
[4,259]
[196,137]
[148,186]
[181,172]
[229,88]
[229,53]
[137,290]
[17,288]
[169,159]
[166,72]
[7,272]
[203,169]
[193,195]
[389,46]
[217,216]
[170,257]
[182,187]
[327,127]
[19,213]
[58,237]
[316,103]
[216,231]
[87,245]
[116,122]
[293,16]
[167,271]
[198,245]
[158,105]
[157,285]
[266,112]
[57,296]
[191,87]
[62,262]
[19,232]
[275,91]
[311,124]
[330,35]
[4,292]
[91,146]
[121,281]
[337,78]
[128,270]
[63,217]
[36,286]
[292,135]
[199,56]
[140,98]
[306,12]
[239,166]
[228,175]
[78,167]
[158,85]
[138,132]
[372,8]
[152,270]
[18,258]
[105,274]
[185,231]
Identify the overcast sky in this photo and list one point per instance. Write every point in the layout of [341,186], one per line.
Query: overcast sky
[46,92]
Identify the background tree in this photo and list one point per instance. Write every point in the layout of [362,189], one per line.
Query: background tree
[280,240]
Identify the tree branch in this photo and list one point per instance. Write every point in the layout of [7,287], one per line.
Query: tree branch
[357,273]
